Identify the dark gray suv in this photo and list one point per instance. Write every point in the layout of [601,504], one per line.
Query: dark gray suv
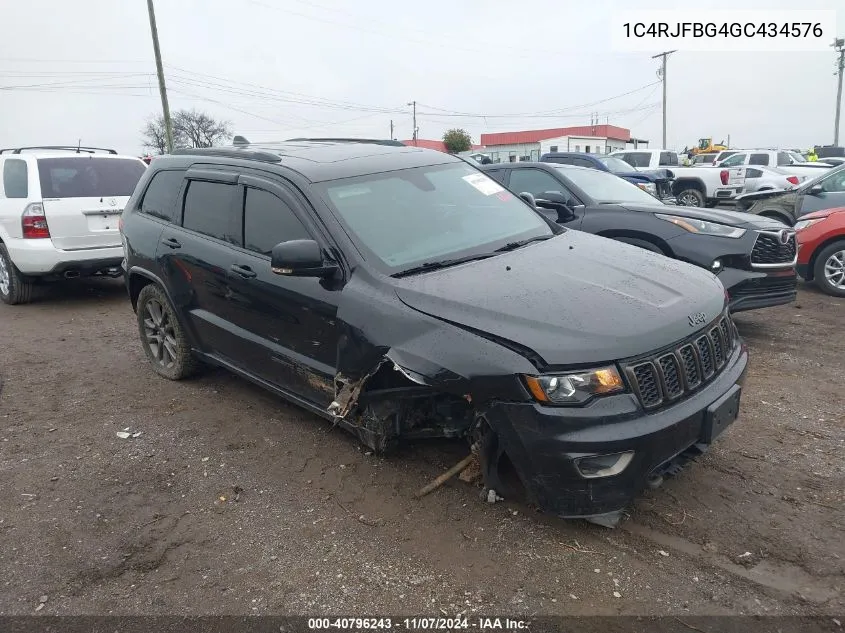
[404,294]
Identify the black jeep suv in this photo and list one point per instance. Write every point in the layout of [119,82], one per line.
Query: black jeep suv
[402,293]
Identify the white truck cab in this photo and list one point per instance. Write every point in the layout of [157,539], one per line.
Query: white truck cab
[59,213]
[699,186]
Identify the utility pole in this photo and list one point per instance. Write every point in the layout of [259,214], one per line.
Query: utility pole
[391,129]
[839,46]
[662,74]
[414,103]
[168,124]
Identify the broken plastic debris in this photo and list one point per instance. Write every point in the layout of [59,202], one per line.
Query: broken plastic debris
[616,594]
[746,555]
[492,497]
[205,459]
[662,553]
[124,435]
[39,607]
[43,599]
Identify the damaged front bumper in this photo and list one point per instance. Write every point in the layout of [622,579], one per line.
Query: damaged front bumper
[547,445]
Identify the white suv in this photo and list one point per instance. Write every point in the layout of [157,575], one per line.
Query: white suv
[59,213]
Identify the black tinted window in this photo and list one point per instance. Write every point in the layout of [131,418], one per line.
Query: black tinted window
[534,181]
[637,159]
[268,221]
[15,178]
[209,210]
[88,176]
[759,159]
[753,173]
[668,158]
[160,197]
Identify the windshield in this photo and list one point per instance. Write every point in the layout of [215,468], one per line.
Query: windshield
[605,188]
[401,219]
[88,177]
[616,164]
[812,182]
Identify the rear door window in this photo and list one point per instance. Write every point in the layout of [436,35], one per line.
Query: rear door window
[15,175]
[759,159]
[734,161]
[753,173]
[784,159]
[210,210]
[534,181]
[268,220]
[160,199]
[88,176]
[668,159]
[637,159]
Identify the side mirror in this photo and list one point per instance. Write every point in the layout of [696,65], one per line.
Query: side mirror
[529,198]
[300,258]
[557,201]
[815,190]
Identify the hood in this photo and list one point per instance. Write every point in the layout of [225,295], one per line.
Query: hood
[644,176]
[574,299]
[635,175]
[731,218]
[823,213]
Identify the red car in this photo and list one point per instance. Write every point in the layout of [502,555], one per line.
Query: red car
[821,249]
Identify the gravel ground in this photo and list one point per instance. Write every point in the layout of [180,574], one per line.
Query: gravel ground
[231,501]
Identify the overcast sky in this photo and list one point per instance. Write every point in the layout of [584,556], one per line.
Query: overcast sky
[282,68]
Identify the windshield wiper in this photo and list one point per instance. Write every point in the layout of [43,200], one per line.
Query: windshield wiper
[443,263]
[513,245]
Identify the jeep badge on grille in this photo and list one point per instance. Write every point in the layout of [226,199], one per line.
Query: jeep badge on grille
[697,319]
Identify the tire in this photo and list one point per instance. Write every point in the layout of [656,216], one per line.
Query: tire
[690,198]
[162,336]
[649,246]
[14,287]
[826,261]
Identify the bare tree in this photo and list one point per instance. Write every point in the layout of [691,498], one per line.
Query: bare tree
[197,129]
[190,129]
[153,134]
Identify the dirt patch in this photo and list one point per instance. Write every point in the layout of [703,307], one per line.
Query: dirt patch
[233,501]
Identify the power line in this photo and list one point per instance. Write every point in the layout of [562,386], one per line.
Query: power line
[542,113]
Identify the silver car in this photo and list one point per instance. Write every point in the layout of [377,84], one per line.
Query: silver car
[760,178]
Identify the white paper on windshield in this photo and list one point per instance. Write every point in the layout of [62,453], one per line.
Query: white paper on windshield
[484,184]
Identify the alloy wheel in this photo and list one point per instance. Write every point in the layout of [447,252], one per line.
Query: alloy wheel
[688,200]
[159,333]
[834,270]
[5,278]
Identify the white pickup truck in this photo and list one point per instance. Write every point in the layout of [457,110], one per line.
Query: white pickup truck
[700,186]
[785,160]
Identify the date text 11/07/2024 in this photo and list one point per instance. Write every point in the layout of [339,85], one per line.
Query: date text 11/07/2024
[418,624]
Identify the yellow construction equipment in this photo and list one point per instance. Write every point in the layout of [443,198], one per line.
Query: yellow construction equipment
[705,146]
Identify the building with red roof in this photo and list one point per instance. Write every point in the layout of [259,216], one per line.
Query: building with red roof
[531,144]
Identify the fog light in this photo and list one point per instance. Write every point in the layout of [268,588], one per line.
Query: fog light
[716,265]
[594,466]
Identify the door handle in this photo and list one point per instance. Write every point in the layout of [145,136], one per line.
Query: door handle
[244,271]
[172,243]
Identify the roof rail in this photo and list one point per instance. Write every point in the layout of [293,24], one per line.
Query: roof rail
[371,141]
[228,152]
[71,148]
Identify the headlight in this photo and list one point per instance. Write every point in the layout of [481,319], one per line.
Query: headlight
[702,226]
[575,387]
[803,224]
[648,187]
